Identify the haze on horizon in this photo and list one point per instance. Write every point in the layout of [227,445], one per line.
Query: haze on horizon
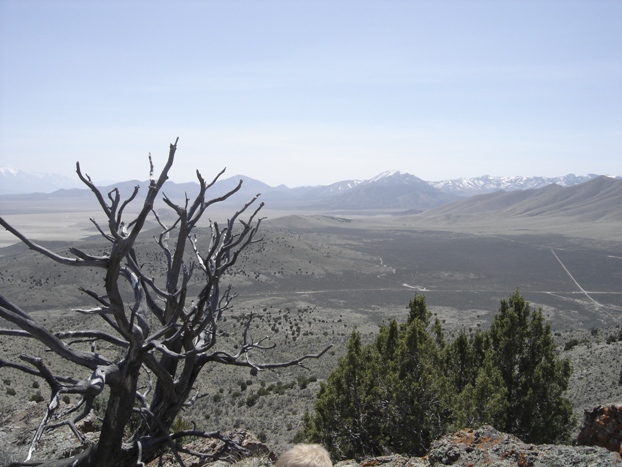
[312,92]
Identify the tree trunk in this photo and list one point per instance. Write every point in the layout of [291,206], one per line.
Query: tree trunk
[118,413]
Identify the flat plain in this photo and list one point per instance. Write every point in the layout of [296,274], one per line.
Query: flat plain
[315,278]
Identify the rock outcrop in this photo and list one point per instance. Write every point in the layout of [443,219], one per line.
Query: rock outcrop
[602,426]
[489,447]
[467,448]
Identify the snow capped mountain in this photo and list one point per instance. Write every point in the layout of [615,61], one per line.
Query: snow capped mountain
[387,190]
[394,177]
[596,200]
[488,184]
[391,177]
[15,181]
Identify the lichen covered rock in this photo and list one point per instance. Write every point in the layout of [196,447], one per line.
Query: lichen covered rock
[487,446]
[602,426]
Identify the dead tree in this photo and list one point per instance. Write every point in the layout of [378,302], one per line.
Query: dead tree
[161,333]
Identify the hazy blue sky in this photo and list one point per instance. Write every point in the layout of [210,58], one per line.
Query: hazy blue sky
[312,92]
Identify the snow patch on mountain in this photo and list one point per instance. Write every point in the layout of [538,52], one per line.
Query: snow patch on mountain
[8,171]
[384,175]
[489,184]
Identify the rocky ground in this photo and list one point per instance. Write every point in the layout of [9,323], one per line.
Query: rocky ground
[467,448]
[489,447]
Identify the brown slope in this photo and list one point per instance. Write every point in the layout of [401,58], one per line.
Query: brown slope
[599,199]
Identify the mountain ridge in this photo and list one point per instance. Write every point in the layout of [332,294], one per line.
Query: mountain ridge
[598,199]
[16,181]
[487,184]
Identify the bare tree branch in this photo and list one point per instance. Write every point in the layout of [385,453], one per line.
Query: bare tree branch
[13,314]
[50,254]
[33,372]
[160,336]
[89,334]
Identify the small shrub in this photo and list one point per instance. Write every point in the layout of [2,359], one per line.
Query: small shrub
[35,384]
[302,382]
[299,437]
[11,391]
[252,400]
[571,344]
[37,397]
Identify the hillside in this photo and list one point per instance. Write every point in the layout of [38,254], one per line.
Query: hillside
[598,200]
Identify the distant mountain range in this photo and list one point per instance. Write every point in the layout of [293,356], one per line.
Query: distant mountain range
[15,181]
[395,191]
